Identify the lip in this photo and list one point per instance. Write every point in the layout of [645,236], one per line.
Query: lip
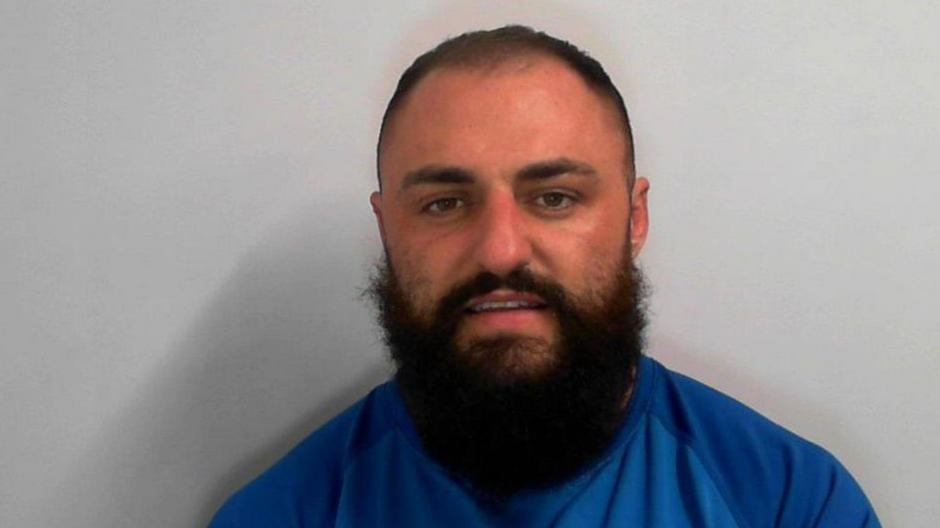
[529,301]
[531,317]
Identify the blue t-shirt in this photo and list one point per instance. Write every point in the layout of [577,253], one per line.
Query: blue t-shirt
[686,455]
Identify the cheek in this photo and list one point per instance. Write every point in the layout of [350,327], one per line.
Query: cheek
[592,254]
[416,273]
[603,261]
[427,261]
[609,235]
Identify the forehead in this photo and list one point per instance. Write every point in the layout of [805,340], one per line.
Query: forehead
[488,119]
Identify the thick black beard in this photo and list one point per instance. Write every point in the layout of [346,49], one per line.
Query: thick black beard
[504,433]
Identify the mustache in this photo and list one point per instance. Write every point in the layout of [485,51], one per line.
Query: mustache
[451,306]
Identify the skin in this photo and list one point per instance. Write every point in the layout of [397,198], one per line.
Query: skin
[518,165]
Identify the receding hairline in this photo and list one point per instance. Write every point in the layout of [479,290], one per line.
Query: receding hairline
[509,63]
[516,62]
[493,49]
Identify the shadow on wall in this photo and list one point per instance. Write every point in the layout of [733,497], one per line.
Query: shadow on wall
[281,348]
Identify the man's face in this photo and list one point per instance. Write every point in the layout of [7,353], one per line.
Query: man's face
[521,166]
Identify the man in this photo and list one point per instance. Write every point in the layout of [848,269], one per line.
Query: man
[511,215]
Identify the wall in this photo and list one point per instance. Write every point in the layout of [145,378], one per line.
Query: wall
[184,229]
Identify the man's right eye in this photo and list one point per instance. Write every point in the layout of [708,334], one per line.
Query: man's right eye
[443,205]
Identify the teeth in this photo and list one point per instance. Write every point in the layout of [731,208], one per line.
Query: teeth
[502,305]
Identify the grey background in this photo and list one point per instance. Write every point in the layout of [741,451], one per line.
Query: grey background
[184,229]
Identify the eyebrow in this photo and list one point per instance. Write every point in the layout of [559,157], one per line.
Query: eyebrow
[541,170]
[436,174]
[544,170]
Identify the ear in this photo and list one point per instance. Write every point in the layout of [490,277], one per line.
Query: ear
[639,216]
[376,200]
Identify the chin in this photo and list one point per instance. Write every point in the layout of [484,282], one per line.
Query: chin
[508,359]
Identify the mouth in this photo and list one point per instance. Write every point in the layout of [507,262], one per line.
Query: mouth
[506,312]
[503,301]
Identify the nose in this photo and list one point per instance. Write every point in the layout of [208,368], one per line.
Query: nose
[502,243]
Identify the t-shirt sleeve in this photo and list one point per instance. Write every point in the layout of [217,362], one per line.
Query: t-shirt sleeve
[226,517]
[846,504]
[767,475]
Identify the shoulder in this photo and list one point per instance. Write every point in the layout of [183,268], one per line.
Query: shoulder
[303,487]
[768,475]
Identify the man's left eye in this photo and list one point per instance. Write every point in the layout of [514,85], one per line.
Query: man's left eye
[554,200]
